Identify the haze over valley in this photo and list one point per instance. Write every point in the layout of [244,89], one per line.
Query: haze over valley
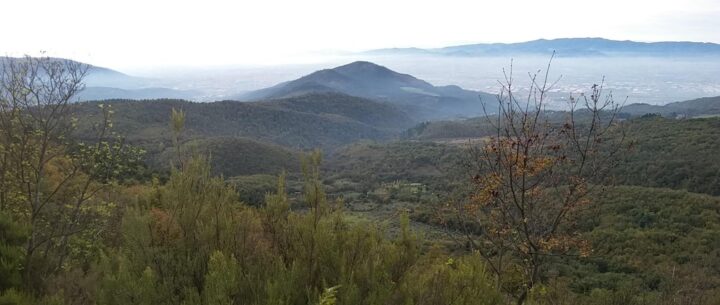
[643,75]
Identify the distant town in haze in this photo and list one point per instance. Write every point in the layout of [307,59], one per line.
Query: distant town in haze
[682,70]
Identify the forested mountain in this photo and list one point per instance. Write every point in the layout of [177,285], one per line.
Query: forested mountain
[325,120]
[568,47]
[365,79]
[331,120]
[377,114]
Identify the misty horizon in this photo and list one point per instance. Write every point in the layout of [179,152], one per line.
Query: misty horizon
[135,33]
[320,56]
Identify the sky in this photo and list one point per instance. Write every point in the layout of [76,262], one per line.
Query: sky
[164,33]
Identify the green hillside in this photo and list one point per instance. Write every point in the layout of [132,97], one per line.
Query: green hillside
[305,122]
[706,106]
[371,164]
[236,156]
[380,115]
[651,241]
[667,153]
[679,154]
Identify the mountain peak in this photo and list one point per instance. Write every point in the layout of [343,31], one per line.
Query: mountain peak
[364,67]
[325,75]
[361,63]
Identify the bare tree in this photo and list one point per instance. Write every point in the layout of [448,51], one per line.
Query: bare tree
[533,176]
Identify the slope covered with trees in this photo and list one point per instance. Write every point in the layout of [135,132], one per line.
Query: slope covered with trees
[679,154]
[702,107]
[651,243]
[523,216]
[371,164]
[665,153]
[230,156]
[249,138]
[145,121]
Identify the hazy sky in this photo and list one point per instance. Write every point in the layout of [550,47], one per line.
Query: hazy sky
[136,33]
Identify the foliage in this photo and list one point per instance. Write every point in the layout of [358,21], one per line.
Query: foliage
[328,296]
[48,182]
[252,189]
[12,240]
[196,239]
[453,281]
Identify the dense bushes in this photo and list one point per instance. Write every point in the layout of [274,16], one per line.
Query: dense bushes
[191,242]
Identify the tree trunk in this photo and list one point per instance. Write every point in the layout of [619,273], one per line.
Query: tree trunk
[523,297]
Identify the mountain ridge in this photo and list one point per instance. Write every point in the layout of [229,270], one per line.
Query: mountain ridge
[566,47]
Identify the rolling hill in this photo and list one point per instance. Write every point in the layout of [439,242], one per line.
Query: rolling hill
[233,156]
[666,153]
[325,120]
[706,106]
[369,164]
[669,153]
[480,127]
[365,79]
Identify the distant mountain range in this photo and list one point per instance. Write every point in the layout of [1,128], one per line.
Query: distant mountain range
[418,98]
[103,83]
[107,78]
[567,47]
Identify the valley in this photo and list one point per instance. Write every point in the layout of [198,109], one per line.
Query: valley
[404,180]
